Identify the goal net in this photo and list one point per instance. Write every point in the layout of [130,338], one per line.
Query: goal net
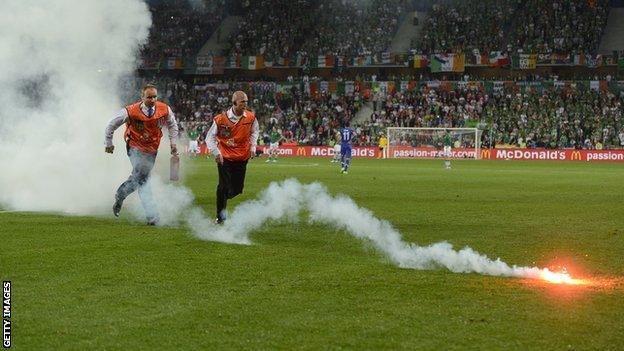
[430,142]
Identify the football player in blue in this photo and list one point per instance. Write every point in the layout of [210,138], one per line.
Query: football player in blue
[346,134]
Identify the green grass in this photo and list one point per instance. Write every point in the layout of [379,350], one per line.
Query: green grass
[100,283]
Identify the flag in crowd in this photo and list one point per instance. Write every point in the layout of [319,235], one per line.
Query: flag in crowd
[208,64]
[447,63]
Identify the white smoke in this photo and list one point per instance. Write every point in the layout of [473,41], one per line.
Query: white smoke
[62,62]
[285,201]
[278,202]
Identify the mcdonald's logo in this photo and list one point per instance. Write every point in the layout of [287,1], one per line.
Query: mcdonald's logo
[301,151]
[576,155]
[486,154]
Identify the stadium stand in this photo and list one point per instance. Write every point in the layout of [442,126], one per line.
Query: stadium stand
[553,117]
[283,28]
[468,25]
[613,38]
[559,26]
[534,26]
[350,29]
[577,105]
[273,27]
[178,29]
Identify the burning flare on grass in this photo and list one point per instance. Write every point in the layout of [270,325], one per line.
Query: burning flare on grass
[561,278]
[287,199]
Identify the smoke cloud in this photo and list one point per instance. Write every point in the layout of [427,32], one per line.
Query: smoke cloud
[285,201]
[62,63]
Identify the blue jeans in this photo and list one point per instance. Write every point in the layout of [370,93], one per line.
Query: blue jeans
[142,165]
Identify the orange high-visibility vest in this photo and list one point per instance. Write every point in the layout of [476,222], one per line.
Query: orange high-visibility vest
[143,132]
[233,139]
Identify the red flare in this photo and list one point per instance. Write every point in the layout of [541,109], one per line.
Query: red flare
[562,278]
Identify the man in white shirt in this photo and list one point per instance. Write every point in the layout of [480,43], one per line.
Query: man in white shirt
[232,139]
[144,120]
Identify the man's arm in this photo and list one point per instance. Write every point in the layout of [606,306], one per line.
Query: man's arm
[172,127]
[255,132]
[113,124]
[211,142]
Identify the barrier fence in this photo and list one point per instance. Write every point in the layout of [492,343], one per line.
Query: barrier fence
[485,154]
[457,153]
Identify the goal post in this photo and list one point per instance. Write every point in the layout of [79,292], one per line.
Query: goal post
[405,142]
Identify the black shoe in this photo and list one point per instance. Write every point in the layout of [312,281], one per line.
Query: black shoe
[117,207]
[219,220]
[152,220]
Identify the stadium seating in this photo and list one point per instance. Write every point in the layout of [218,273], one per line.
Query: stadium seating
[466,26]
[534,26]
[555,116]
[559,26]
[179,30]
[273,28]
[280,29]
[350,29]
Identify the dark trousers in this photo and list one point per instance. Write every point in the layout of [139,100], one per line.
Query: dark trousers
[142,165]
[231,183]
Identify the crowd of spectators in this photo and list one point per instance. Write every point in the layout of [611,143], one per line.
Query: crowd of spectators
[313,121]
[280,28]
[553,117]
[301,28]
[464,26]
[530,26]
[567,118]
[275,28]
[348,28]
[179,29]
[559,26]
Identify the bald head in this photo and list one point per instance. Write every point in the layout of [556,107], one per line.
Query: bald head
[238,95]
[239,102]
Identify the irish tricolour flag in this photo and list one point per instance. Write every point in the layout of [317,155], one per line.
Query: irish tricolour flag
[252,62]
[322,61]
[447,63]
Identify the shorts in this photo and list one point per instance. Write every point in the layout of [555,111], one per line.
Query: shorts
[193,147]
[447,151]
[345,151]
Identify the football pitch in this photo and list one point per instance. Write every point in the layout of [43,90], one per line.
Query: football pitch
[105,283]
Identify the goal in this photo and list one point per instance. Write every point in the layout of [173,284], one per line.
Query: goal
[429,142]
